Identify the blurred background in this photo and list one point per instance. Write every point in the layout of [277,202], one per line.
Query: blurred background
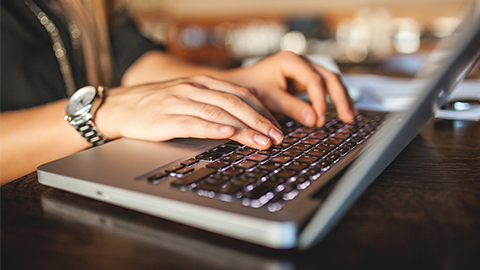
[359,35]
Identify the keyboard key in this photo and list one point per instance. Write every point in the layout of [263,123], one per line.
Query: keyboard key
[232,172]
[292,153]
[218,165]
[228,190]
[262,193]
[303,185]
[307,129]
[246,164]
[301,146]
[350,129]
[258,192]
[224,149]
[270,166]
[308,159]
[332,156]
[190,162]
[270,152]
[275,181]
[245,151]
[281,147]
[290,140]
[243,182]
[192,178]
[323,164]
[276,204]
[288,130]
[156,178]
[258,157]
[317,152]
[357,139]
[174,168]
[347,130]
[349,144]
[282,159]
[313,173]
[209,156]
[296,166]
[326,130]
[291,193]
[341,150]
[319,136]
[326,146]
[285,174]
[334,140]
[217,179]
[233,158]
[226,193]
[363,133]
[342,136]
[299,134]
[183,171]
[234,143]
[256,174]
[311,141]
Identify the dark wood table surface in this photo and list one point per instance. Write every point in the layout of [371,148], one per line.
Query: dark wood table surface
[422,212]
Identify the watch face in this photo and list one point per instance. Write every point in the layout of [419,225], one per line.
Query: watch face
[80,100]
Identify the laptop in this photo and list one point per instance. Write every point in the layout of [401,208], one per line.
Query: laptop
[289,196]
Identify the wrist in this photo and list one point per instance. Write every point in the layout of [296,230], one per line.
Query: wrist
[81,110]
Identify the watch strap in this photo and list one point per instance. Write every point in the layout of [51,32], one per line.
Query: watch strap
[90,133]
[84,124]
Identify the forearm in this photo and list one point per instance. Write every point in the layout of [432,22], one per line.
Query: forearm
[35,136]
[157,66]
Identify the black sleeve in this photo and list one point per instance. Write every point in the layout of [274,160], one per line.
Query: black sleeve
[128,44]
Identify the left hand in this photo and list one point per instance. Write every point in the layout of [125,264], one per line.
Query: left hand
[277,77]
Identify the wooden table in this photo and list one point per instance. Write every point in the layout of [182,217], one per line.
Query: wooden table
[422,212]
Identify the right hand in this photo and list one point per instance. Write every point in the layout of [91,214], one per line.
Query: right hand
[199,106]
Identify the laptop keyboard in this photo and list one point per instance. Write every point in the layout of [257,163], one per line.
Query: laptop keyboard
[233,172]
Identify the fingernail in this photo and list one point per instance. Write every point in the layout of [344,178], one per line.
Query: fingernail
[308,117]
[321,120]
[276,135]
[261,139]
[226,129]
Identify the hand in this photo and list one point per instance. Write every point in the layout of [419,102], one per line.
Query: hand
[277,77]
[198,106]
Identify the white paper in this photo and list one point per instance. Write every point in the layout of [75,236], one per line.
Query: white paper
[390,94]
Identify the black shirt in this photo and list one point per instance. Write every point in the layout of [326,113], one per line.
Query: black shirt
[30,73]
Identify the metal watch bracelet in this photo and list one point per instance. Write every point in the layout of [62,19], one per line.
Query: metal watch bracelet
[84,124]
[90,133]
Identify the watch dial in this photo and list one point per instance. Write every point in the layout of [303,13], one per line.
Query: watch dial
[80,100]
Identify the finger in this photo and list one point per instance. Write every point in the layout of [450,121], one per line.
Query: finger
[213,114]
[338,94]
[199,127]
[248,95]
[292,107]
[334,86]
[318,81]
[302,73]
[238,109]
[188,126]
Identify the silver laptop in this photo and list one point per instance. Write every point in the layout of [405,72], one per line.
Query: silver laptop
[289,196]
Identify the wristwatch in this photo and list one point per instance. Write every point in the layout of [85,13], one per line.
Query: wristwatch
[81,109]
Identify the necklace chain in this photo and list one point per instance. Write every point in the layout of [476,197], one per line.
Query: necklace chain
[58,46]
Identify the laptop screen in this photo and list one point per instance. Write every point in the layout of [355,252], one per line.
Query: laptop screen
[447,66]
